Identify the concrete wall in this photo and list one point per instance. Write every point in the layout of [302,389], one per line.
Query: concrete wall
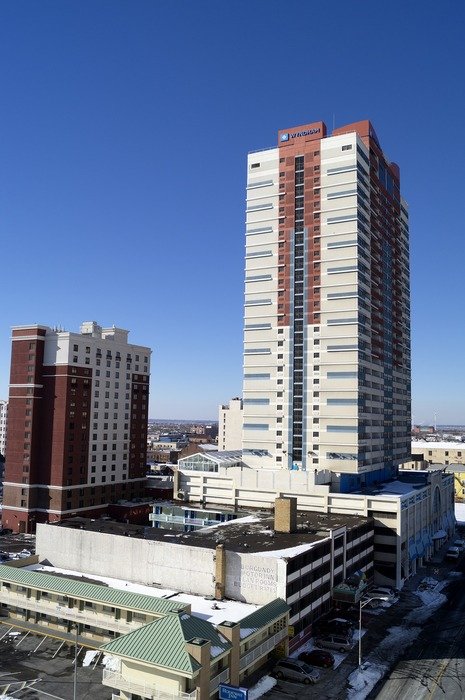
[249,577]
[187,569]
[255,579]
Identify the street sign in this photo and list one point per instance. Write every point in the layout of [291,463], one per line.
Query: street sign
[232,692]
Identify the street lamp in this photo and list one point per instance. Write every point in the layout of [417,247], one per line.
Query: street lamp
[362,605]
[75,662]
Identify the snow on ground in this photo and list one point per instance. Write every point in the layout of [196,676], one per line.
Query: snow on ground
[432,599]
[230,610]
[263,686]
[460,513]
[363,679]
[89,656]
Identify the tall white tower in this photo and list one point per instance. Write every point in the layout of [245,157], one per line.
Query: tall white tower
[327,307]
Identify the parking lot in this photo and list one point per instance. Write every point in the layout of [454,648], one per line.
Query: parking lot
[33,666]
[12,545]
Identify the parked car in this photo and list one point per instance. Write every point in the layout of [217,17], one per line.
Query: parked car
[387,589]
[24,553]
[336,642]
[453,553]
[460,544]
[6,531]
[383,593]
[317,657]
[333,625]
[353,614]
[295,670]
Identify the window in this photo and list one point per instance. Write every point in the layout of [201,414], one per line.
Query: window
[254,165]
[347,148]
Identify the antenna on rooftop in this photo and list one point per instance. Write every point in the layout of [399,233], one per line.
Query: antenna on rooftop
[334,121]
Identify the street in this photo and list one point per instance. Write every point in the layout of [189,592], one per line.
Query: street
[433,667]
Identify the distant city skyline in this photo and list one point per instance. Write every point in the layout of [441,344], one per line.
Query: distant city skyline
[122,179]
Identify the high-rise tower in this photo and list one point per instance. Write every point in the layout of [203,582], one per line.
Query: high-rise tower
[77,424]
[327,307]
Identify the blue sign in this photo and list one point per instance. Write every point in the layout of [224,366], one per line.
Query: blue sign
[284,137]
[232,692]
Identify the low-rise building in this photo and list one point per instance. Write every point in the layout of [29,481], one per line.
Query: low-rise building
[161,649]
[409,511]
[439,452]
[186,657]
[62,606]
[166,514]
[298,557]
[458,473]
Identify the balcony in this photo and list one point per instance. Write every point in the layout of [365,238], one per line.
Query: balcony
[54,609]
[263,648]
[222,677]
[145,690]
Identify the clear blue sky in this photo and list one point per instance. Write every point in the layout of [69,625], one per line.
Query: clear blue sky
[124,128]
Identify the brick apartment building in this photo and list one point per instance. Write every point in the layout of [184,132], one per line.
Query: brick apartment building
[77,424]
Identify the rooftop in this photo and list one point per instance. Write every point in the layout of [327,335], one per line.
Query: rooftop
[70,586]
[441,445]
[253,533]
[204,607]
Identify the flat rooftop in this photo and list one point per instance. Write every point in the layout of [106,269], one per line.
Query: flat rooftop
[439,445]
[254,533]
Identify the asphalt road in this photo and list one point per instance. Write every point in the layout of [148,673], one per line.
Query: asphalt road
[33,668]
[434,666]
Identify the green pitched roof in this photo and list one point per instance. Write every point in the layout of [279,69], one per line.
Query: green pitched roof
[89,591]
[163,642]
[263,616]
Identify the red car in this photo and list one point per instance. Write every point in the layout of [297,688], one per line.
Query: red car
[317,657]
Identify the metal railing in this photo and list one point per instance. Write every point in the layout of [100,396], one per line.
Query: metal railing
[147,690]
[263,648]
[54,609]
[220,678]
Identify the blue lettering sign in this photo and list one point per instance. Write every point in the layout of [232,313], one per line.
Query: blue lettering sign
[232,692]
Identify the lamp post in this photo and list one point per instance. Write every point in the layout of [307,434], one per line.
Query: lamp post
[362,605]
[75,663]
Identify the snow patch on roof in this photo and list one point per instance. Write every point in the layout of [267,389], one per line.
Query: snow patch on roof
[247,631]
[216,651]
[289,552]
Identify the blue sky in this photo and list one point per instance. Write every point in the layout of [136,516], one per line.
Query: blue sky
[124,129]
